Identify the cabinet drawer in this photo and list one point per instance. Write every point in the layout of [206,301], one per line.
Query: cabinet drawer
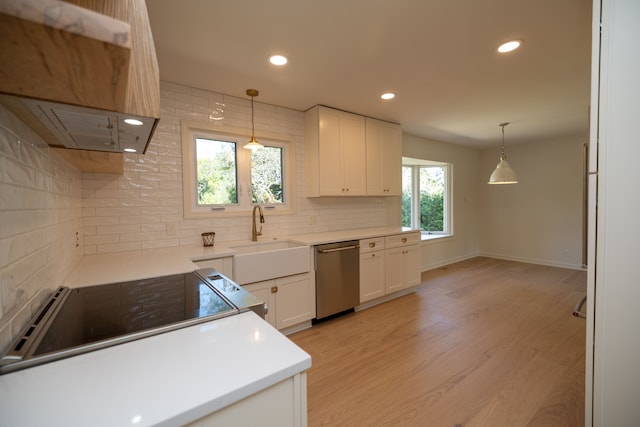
[370,245]
[399,240]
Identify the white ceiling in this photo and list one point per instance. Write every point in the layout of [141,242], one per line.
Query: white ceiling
[439,56]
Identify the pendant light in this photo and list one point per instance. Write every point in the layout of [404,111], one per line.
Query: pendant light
[503,173]
[253,143]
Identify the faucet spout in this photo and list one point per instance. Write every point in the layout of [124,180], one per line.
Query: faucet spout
[254,230]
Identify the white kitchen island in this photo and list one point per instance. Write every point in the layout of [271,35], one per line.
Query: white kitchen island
[171,379]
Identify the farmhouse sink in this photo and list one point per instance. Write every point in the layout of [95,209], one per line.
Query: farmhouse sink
[258,261]
[266,246]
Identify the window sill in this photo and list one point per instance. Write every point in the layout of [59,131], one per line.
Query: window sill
[429,237]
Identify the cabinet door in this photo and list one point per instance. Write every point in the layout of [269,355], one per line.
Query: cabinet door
[263,290]
[372,276]
[341,153]
[295,300]
[411,266]
[393,270]
[352,141]
[331,165]
[402,268]
[384,158]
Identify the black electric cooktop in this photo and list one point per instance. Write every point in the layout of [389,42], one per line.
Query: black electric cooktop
[78,320]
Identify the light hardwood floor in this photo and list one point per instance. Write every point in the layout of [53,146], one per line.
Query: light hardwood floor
[482,342]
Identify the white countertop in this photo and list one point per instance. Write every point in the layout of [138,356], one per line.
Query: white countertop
[168,379]
[133,265]
[357,234]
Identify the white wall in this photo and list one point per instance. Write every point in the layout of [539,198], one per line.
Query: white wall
[538,220]
[143,207]
[39,215]
[466,201]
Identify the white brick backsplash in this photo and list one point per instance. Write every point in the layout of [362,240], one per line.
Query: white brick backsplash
[149,193]
[40,211]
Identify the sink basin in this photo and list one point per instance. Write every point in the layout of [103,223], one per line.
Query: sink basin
[258,261]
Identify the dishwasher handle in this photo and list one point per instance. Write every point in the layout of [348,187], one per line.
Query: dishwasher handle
[341,248]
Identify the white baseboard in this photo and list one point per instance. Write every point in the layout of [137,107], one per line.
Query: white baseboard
[534,261]
[296,328]
[385,298]
[433,266]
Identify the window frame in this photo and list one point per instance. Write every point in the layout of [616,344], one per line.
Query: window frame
[191,209]
[416,165]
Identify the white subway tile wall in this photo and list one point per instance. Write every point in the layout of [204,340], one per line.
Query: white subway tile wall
[40,213]
[143,207]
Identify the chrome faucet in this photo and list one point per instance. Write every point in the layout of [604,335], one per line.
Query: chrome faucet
[254,231]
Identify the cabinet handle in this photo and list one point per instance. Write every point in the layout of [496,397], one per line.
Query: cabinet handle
[372,245]
[404,240]
[274,289]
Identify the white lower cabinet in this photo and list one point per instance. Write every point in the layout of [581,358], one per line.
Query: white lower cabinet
[402,268]
[389,264]
[290,300]
[262,290]
[372,269]
[402,261]
[283,405]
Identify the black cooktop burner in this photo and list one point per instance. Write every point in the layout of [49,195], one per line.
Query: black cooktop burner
[79,320]
[97,313]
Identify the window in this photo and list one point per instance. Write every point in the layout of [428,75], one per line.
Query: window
[266,175]
[222,178]
[216,172]
[426,189]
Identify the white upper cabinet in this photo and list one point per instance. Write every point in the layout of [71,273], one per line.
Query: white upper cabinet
[349,155]
[334,153]
[384,158]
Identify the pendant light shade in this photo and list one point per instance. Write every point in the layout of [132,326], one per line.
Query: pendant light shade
[503,174]
[253,143]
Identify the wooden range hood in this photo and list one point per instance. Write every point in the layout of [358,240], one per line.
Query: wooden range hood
[82,53]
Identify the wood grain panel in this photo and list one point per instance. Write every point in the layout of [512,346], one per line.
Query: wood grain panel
[64,53]
[143,94]
[482,342]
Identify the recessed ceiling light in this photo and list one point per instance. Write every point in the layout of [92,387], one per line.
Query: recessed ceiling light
[509,46]
[388,95]
[133,122]
[278,59]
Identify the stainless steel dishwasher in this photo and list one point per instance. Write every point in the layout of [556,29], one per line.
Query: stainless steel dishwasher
[337,277]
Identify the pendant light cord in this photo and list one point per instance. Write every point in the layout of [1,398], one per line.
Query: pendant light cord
[502,125]
[502,137]
[253,128]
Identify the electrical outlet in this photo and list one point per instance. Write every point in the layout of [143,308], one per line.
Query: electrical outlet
[171,229]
